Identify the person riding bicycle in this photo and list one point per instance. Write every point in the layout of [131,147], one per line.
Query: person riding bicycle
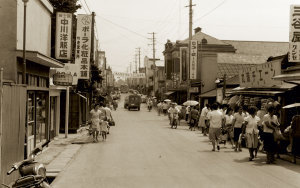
[149,104]
[173,111]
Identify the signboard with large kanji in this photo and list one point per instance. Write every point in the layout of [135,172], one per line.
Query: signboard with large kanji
[83,45]
[260,75]
[193,60]
[294,45]
[63,36]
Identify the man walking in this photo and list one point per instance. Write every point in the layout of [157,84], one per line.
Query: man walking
[215,118]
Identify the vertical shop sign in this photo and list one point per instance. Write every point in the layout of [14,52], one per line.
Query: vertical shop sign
[183,60]
[193,60]
[294,38]
[63,35]
[83,45]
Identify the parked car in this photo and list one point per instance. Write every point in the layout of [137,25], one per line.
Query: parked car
[134,101]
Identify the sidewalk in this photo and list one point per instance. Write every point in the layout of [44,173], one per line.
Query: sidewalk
[61,151]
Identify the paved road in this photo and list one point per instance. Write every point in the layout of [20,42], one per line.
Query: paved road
[142,151]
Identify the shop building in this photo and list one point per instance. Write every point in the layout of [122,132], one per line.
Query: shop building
[258,88]
[215,58]
[37,129]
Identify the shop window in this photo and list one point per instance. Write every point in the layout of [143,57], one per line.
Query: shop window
[40,117]
[30,114]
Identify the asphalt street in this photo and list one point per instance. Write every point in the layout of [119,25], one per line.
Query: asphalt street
[143,151]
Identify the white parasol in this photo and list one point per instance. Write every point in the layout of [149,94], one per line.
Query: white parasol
[190,103]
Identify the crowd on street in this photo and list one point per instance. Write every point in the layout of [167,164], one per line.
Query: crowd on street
[241,126]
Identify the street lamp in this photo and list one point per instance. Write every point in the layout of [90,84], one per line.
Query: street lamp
[24,43]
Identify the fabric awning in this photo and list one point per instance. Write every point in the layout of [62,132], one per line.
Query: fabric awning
[266,93]
[41,59]
[287,77]
[208,94]
[169,92]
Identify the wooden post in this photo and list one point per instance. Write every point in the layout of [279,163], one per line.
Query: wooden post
[67,111]
[1,105]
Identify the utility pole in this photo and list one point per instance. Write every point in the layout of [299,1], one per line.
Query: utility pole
[190,38]
[154,65]
[139,53]
[135,61]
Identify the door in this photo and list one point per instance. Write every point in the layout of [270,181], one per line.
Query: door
[53,107]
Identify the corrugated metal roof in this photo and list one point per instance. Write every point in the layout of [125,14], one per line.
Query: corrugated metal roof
[262,48]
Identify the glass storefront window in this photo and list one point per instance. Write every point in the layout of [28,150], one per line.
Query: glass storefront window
[40,117]
[30,114]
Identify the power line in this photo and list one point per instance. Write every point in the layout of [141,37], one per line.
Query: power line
[87,6]
[211,11]
[125,28]
[206,14]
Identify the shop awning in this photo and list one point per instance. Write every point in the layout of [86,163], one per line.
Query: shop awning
[266,93]
[287,77]
[41,59]
[169,92]
[208,94]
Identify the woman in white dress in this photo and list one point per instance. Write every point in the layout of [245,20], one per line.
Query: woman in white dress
[251,131]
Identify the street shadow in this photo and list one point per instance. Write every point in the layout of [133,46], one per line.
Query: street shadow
[261,161]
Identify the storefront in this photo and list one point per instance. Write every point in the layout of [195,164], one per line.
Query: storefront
[38,98]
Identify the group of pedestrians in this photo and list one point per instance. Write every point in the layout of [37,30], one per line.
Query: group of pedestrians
[100,120]
[225,124]
[250,127]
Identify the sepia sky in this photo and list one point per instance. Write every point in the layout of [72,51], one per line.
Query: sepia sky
[124,25]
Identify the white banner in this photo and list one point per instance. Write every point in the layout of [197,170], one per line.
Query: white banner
[193,60]
[294,38]
[129,75]
[63,41]
[83,44]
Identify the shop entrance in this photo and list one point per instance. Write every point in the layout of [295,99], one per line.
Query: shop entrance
[36,126]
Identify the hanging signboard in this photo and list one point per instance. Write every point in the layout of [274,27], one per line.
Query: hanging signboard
[70,68]
[193,60]
[294,38]
[63,35]
[260,75]
[83,45]
[62,79]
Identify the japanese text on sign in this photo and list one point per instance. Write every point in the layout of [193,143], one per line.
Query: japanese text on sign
[193,60]
[83,45]
[129,75]
[294,39]
[63,35]
[260,75]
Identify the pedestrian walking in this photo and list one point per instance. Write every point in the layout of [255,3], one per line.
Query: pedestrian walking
[215,118]
[188,110]
[194,118]
[103,129]
[270,122]
[173,113]
[203,119]
[95,120]
[228,126]
[238,120]
[251,131]
[159,108]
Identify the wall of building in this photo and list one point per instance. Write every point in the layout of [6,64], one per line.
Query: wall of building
[208,73]
[38,35]
[8,38]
